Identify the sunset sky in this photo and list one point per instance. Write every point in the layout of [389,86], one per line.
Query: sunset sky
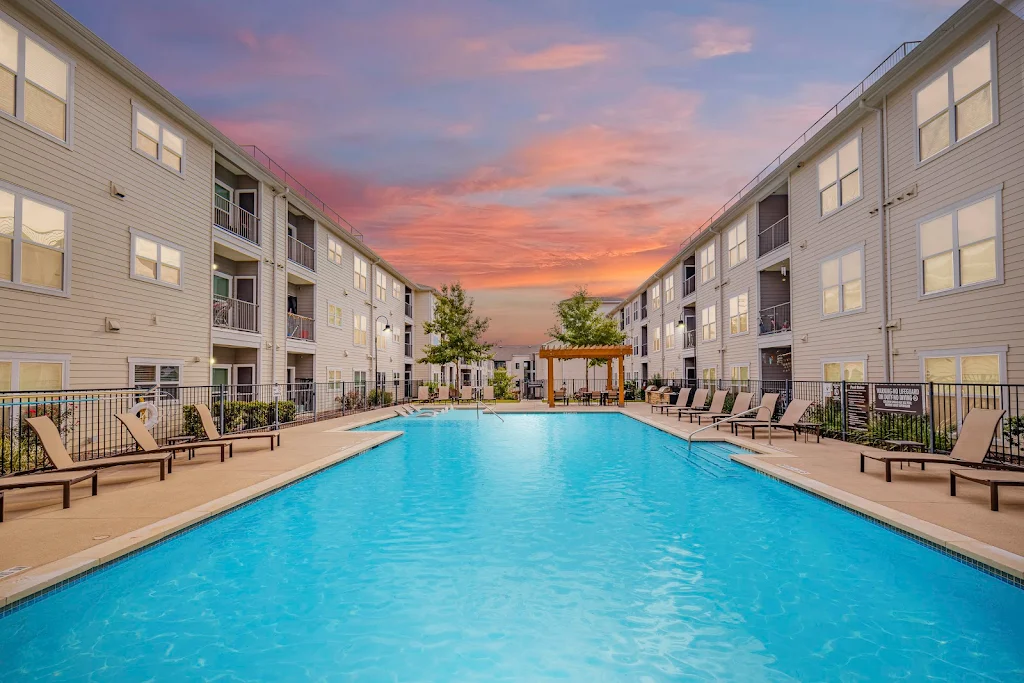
[523,147]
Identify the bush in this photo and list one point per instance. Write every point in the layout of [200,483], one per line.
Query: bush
[379,397]
[502,383]
[20,449]
[1013,430]
[239,416]
[355,400]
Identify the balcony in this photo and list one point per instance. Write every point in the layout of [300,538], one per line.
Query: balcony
[774,320]
[408,350]
[301,327]
[234,219]
[773,237]
[408,310]
[235,314]
[689,285]
[301,253]
[690,339]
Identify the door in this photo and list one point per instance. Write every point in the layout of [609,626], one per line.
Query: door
[245,308]
[408,381]
[245,381]
[222,205]
[246,217]
[220,375]
[222,304]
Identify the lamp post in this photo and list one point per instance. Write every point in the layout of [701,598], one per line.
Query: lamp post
[376,350]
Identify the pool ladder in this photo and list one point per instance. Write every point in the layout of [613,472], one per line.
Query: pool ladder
[689,437]
[486,409]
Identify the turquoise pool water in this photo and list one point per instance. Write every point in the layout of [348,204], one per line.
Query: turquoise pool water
[572,547]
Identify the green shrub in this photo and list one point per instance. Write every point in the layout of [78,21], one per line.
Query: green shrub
[239,416]
[355,400]
[1013,430]
[379,397]
[502,383]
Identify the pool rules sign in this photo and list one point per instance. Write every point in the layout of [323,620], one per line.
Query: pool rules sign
[899,398]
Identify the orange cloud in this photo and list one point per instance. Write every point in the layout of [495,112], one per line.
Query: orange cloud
[557,57]
[716,38]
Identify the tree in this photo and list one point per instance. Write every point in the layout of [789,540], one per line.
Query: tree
[502,383]
[458,331]
[579,323]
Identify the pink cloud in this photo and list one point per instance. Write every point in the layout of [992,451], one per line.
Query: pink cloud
[557,57]
[716,38]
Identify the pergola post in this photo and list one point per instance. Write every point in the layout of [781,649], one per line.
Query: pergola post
[551,382]
[608,387]
[622,383]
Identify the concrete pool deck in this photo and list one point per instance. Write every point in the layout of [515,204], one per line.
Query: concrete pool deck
[134,508]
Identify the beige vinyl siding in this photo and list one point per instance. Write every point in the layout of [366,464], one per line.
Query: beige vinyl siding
[853,334]
[156,322]
[336,346]
[741,349]
[708,354]
[274,287]
[423,306]
[985,317]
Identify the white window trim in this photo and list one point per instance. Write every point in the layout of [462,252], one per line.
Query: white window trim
[728,303]
[341,250]
[356,272]
[341,312]
[15,359]
[969,351]
[380,289]
[160,121]
[947,68]
[713,262]
[997,193]
[654,295]
[158,362]
[671,329]
[746,241]
[860,174]
[844,359]
[737,366]
[163,243]
[19,193]
[19,88]
[656,339]
[712,326]
[327,377]
[356,327]
[863,284]
[668,287]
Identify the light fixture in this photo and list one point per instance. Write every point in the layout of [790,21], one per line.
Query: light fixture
[387,327]
[214,266]
[681,324]
[213,361]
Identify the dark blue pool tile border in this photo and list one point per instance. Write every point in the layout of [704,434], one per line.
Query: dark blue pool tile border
[1005,577]
[60,586]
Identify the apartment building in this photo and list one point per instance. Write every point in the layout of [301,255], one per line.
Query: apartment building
[886,244]
[141,247]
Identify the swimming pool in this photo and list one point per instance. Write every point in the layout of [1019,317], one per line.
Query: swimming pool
[582,547]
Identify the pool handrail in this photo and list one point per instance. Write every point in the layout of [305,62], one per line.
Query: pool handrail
[689,437]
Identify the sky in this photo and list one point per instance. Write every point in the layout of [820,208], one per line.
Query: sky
[523,147]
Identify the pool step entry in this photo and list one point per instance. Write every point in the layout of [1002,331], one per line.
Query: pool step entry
[707,465]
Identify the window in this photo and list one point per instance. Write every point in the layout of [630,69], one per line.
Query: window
[636,310]
[158,142]
[334,315]
[396,289]
[655,297]
[962,247]
[707,263]
[36,82]
[359,377]
[736,239]
[974,366]
[359,329]
[957,103]
[333,250]
[709,375]
[33,372]
[334,380]
[155,260]
[656,344]
[708,328]
[842,283]
[382,284]
[380,336]
[670,336]
[843,370]
[670,289]
[359,273]
[34,242]
[739,373]
[163,378]
[738,320]
[839,177]
[396,335]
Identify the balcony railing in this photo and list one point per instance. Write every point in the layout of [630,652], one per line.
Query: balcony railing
[301,253]
[235,314]
[408,310]
[774,320]
[689,285]
[690,339]
[773,237]
[236,220]
[643,349]
[301,327]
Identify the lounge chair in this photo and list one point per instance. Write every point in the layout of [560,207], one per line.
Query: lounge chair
[466,394]
[442,395]
[739,406]
[489,394]
[681,400]
[697,402]
[210,427]
[794,414]
[716,407]
[972,445]
[57,454]
[146,442]
[560,396]
[992,478]
[64,479]
[423,394]
[765,411]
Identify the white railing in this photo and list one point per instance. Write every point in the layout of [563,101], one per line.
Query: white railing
[231,217]
[235,314]
[773,237]
[301,327]
[301,253]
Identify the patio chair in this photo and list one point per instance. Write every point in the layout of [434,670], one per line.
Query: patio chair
[790,419]
[697,402]
[489,394]
[57,454]
[739,406]
[561,395]
[583,396]
[972,444]
[210,427]
[442,394]
[146,442]
[423,394]
[765,411]
[63,479]
[681,400]
[466,394]
[716,407]
[993,479]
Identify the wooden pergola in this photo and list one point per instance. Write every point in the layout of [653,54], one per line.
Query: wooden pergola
[608,353]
